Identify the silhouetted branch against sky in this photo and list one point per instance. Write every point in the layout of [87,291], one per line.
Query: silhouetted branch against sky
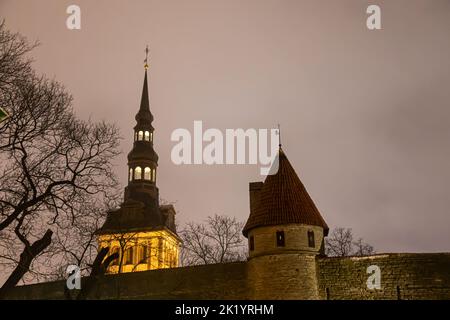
[219,239]
[56,170]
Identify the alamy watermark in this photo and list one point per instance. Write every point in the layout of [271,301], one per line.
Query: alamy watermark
[374,280]
[373,22]
[74,279]
[235,146]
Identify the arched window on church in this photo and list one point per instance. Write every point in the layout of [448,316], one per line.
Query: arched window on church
[154,175]
[115,262]
[138,173]
[147,136]
[129,253]
[130,176]
[151,136]
[141,135]
[147,173]
[142,253]
[135,136]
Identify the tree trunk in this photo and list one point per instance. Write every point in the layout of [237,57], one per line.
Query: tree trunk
[26,257]
[99,267]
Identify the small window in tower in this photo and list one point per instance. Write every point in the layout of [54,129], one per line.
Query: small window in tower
[140,135]
[131,175]
[138,173]
[252,243]
[129,256]
[147,136]
[151,136]
[147,174]
[280,238]
[135,136]
[154,175]
[311,242]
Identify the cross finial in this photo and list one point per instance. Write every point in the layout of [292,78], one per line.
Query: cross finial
[146,58]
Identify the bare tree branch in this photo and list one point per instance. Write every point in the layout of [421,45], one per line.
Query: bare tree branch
[219,240]
[56,172]
[340,244]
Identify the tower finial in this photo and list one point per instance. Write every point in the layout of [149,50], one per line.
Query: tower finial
[146,58]
[279,136]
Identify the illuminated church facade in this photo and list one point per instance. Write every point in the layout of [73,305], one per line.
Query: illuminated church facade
[141,231]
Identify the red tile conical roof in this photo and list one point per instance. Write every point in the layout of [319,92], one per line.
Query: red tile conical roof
[283,199]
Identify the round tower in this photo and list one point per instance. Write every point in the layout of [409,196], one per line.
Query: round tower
[285,233]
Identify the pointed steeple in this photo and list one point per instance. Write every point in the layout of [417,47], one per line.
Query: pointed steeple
[283,199]
[144,117]
[140,209]
[142,159]
[145,104]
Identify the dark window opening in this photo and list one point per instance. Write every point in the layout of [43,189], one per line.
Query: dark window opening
[311,242]
[115,262]
[252,243]
[328,293]
[129,256]
[143,257]
[280,239]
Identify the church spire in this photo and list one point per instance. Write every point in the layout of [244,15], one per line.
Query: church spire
[145,104]
[142,159]
[147,225]
[144,117]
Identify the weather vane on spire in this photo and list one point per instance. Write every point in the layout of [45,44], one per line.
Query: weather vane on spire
[146,58]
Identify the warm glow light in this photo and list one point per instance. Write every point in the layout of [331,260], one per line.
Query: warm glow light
[147,173]
[142,251]
[138,173]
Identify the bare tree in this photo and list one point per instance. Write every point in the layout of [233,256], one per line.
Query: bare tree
[218,240]
[52,164]
[126,241]
[360,248]
[75,241]
[13,64]
[340,244]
